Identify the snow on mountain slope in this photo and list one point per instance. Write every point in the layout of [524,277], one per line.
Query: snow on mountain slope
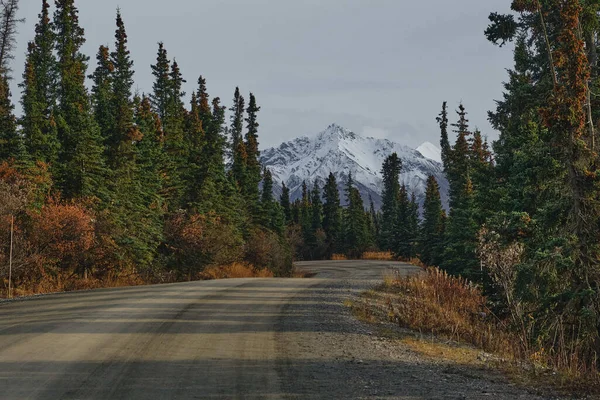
[342,152]
[431,151]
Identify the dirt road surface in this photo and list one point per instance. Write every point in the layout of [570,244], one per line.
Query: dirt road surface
[242,338]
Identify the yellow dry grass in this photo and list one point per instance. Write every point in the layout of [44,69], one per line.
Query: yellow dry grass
[378,255]
[235,270]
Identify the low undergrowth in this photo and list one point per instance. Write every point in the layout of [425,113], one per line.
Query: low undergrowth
[235,270]
[436,305]
[62,282]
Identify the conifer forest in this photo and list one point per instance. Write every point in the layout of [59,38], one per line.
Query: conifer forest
[101,183]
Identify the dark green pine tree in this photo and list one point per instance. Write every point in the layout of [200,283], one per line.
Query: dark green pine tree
[11,143]
[356,230]
[391,190]
[432,228]
[253,166]
[81,168]
[402,239]
[316,204]
[38,99]
[102,97]
[195,174]
[284,200]
[124,135]
[238,148]
[211,173]
[271,213]
[462,229]
[442,120]
[332,215]
[161,88]
[461,241]
[150,206]
[375,221]
[174,131]
[413,225]
[483,178]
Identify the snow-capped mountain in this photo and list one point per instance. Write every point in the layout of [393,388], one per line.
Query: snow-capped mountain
[342,152]
[431,151]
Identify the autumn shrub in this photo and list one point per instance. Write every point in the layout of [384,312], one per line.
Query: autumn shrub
[196,241]
[339,257]
[235,270]
[16,194]
[64,234]
[266,250]
[378,255]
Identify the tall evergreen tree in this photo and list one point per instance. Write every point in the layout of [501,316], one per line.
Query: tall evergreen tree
[238,147]
[124,135]
[442,120]
[332,215]
[356,231]
[81,166]
[103,97]
[253,167]
[39,93]
[402,233]
[391,190]
[284,200]
[316,207]
[432,227]
[11,143]
[161,88]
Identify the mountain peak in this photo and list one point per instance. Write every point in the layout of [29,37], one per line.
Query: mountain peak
[340,151]
[336,131]
[431,151]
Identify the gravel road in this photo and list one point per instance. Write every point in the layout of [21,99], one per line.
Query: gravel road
[241,338]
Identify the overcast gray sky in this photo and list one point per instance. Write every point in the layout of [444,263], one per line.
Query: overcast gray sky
[378,67]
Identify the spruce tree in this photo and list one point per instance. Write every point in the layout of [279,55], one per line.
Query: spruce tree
[332,215]
[316,208]
[174,128]
[124,135]
[253,167]
[356,230]
[432,229]
[38,99]
[11,143]
[238,147]
[161,88]
[81,168]
[391,191]
[102,97]
[284,200]
[442,120]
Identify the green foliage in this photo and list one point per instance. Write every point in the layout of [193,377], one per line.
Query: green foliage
[81,167]
[355,226]
[332,216]
[432,229]
[406,227]
[39,93]
[390,199]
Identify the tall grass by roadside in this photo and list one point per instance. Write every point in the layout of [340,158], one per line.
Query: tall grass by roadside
[436,303]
